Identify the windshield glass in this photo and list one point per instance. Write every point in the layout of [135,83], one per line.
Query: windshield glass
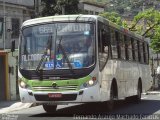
[57,46]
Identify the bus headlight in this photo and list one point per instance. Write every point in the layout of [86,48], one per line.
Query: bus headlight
[22,84]
[89,83]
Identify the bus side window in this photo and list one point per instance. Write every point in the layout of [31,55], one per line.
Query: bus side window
[103,44]
[122,45]
[104,39]
[118,44]
[136,50]
[133,49]
[130,49]
[126,41]
[147,53]
[114,50]
[139,50]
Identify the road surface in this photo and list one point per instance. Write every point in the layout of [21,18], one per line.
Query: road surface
[148,107]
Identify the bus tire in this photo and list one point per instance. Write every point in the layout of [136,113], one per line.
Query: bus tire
[139,92]
[113,96]
[50,108]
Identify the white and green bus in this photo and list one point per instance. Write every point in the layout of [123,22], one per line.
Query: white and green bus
[80,59]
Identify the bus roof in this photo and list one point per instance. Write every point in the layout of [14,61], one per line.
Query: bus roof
[79,17]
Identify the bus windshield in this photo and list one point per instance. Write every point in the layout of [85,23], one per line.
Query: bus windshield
[57,46]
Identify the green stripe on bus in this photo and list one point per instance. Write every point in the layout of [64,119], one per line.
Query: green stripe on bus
[64,85]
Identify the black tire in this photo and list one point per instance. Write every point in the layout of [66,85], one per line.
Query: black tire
[50,108]
[139,92]
[136,98]
[110,103]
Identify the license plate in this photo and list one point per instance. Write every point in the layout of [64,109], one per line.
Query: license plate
[54,95]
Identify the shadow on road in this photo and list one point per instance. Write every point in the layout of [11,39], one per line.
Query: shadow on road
[145,107]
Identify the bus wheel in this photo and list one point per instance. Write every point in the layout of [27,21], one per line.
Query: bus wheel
[110,103]
[50,108]
[139,91]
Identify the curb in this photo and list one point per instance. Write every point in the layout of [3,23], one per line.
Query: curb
[152,92]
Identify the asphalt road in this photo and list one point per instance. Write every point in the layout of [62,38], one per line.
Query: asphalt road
[148,107]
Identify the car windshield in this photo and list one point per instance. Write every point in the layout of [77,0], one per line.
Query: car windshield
[57,46]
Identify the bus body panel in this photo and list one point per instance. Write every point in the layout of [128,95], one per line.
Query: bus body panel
[145,73]
[126,78]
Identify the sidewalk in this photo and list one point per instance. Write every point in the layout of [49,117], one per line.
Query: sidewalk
[154,92]
[9,106]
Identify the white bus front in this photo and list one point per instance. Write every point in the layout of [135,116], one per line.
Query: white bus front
[57,63]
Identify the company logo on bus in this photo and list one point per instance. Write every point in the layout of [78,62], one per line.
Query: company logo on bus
[54,85]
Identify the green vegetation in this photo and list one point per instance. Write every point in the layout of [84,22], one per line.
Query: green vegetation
[147,23]
[115,18]
[52,7]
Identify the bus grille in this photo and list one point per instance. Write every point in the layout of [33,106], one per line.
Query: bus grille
[58,88]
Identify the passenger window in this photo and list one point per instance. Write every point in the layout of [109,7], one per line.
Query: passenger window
[126,41]
[147,53]
[113,44]
[103,44]
[118,44]
[134,49]
[129,45]
[142,52]
[122,46]
[139,51]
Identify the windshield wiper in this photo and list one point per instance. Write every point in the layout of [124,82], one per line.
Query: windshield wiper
[65,55]
[48,47]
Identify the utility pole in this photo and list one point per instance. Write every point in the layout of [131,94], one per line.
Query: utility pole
[63,9]
[4,23]
[37,7]
[144,21]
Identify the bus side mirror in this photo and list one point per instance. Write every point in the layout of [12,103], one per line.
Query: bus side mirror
[13,46]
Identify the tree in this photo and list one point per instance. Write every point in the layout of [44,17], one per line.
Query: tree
[52,7]
[155,43]
[147,23]
[114,17]
[49,8]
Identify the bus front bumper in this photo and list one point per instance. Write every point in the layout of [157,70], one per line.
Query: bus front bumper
[90,94]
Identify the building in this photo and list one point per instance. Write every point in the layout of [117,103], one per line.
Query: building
[12,15]
[93,8]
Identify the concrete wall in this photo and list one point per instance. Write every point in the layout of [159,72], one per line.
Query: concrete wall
[13,78]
